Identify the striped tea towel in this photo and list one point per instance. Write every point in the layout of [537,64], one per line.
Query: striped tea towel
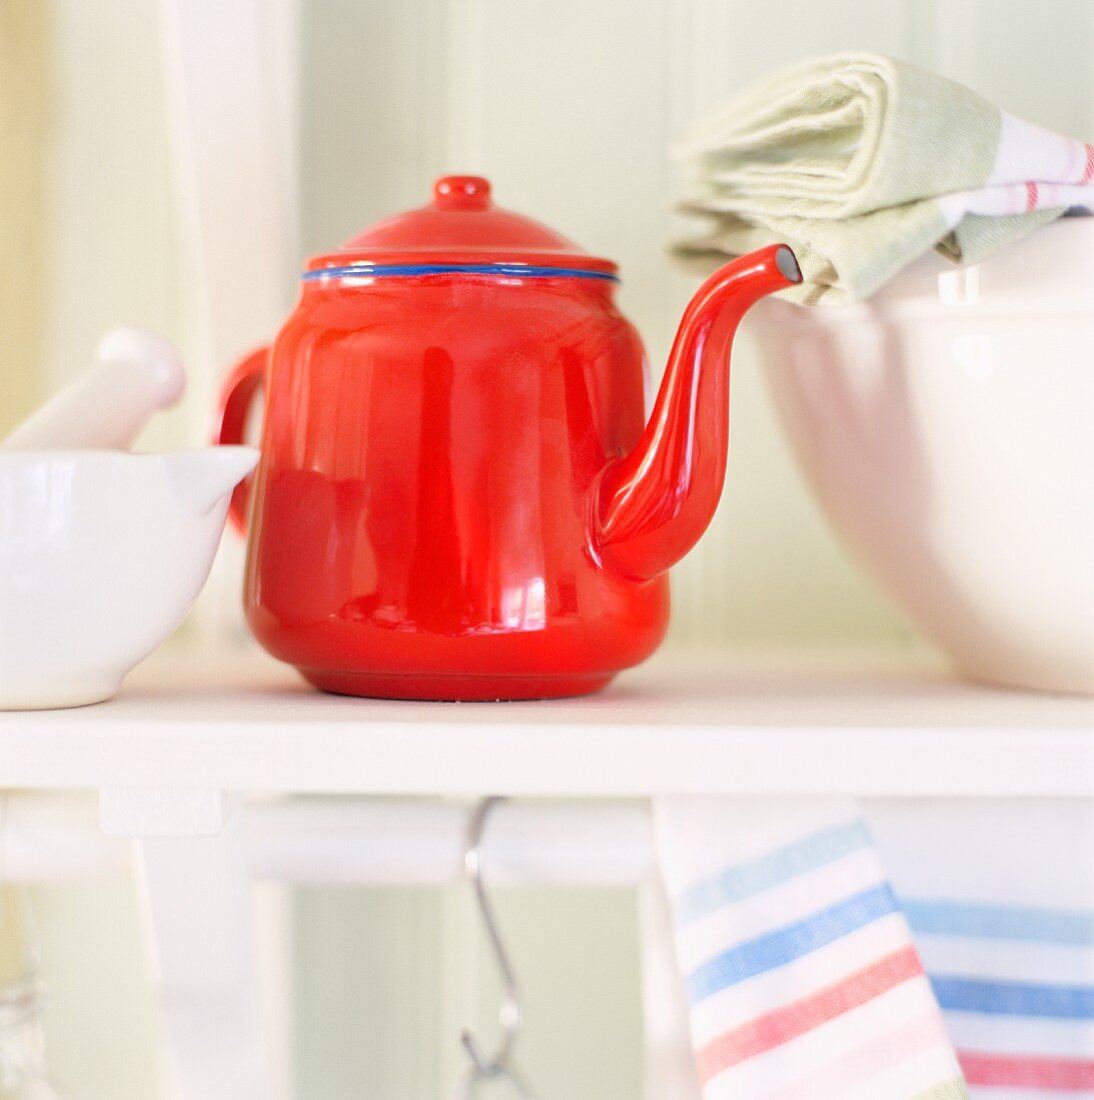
[1000,898]
[800,972]
[862,163]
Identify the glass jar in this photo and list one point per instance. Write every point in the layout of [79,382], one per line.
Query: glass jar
[23,1074]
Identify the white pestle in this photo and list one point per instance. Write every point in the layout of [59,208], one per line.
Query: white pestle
[138,372]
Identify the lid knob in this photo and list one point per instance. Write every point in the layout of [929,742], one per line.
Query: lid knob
[462,193]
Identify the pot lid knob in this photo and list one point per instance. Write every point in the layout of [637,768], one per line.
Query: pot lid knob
[462,193]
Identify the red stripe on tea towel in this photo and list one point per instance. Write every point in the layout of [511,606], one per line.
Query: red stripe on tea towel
[1027,1072]
[1088,171]
[779,1026]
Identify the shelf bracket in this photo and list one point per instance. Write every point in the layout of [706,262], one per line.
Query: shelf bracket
[198,912]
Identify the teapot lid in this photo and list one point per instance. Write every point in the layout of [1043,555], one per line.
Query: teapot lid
[461,229]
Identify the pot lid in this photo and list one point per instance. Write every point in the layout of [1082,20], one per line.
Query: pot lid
[463,227]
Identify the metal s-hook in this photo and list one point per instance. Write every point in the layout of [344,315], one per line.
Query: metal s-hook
[511,1010]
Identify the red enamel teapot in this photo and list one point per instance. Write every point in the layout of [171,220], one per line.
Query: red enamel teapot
[459,495]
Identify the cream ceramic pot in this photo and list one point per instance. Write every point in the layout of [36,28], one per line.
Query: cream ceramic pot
[947,429]
[101,555]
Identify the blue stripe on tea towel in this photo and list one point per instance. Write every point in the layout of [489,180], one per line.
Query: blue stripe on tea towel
[995,998]
[1003,922]
[774,949]
[733,884]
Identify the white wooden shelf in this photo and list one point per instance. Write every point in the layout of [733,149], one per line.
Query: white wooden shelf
[716,723]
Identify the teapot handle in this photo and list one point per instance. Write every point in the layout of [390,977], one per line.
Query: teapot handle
[236,397]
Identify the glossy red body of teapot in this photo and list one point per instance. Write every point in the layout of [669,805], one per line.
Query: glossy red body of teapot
[458,495]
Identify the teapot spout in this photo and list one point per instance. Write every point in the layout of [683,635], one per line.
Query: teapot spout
[653,504]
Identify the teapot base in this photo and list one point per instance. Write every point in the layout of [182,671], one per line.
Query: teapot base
[454,688]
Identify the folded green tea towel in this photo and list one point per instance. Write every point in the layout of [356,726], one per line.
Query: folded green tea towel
[861,163]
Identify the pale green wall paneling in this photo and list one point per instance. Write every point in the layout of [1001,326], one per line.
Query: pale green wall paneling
[387,979]
[365,982]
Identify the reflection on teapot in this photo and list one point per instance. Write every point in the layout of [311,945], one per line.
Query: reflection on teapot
[458,495]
